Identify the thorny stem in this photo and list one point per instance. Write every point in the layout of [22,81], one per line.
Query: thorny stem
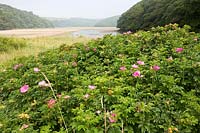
[56,100]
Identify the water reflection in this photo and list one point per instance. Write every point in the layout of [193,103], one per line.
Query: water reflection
[93,33]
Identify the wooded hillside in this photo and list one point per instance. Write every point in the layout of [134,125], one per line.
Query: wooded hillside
[12,18]
[150,13]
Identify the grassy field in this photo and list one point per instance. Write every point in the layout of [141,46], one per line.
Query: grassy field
[39,44]
[39,40]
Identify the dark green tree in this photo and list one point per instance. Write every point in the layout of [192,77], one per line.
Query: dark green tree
[151,13]
[12,18]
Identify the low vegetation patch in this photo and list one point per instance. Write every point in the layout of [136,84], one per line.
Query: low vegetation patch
[8,44]
[33,46]
[141,82]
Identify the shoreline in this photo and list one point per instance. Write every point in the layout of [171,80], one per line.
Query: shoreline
[45,32]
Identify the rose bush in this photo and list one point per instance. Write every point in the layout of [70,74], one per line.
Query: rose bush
[141,82]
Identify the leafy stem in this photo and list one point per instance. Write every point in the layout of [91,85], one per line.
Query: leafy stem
[54,95]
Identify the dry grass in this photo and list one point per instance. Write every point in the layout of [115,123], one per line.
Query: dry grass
[40,44]
[40,40]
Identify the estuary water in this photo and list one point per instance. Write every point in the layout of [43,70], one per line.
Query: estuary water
[93,33]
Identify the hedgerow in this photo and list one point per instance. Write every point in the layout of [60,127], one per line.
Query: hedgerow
[142,82]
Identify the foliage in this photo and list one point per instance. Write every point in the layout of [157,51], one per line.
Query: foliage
[150,13]
[98,89]
[8,44]
[12,18]
[74,22]
[83,22]
[108,22]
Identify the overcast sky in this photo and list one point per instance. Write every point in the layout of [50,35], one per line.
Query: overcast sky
[73,8]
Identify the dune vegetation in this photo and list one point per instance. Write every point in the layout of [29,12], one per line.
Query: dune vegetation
[146,82]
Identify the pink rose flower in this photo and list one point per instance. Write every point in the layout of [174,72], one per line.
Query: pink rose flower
[67,97]
[136,74]
[170,59]
[91,87]
[24,88]
[24,126]
[112,117]
[122,68]
[112,120]
[135,66]
[59,95]
[94,49]
[17,66]
[156,68]
[43,84]
[129,32]
[179,50]
[140,62]
[74,64]
[98,111]
[51,103]
[86,96]
[36,69]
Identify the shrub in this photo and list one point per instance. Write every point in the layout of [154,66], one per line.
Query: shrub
[142,82]
[7,44]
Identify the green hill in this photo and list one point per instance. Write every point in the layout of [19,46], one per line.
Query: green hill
[108,22]
[150,13]
[147,82]
[73,22]
[12,18]
[83,22]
